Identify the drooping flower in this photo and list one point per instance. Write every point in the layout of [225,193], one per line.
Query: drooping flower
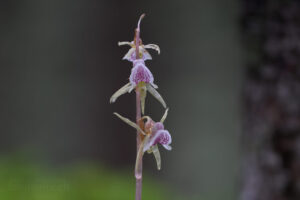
[137,46]
[153,133]
[141,73]
[141,77]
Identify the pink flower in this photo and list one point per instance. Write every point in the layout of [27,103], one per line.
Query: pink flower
[141,77]
[154,134]
[137,43]
[160,136]
[140,73]
[142,80]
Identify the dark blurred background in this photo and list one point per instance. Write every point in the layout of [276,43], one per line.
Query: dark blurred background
[226,71]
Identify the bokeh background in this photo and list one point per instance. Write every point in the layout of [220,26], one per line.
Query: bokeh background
[228,70]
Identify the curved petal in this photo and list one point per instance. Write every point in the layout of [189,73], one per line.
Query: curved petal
[130,123]
[156,154]
[131,88]
[164,116]
[121,91]
[125,43]
[156,95]
[154,149]
[154,85]
[153,46]
[139,158]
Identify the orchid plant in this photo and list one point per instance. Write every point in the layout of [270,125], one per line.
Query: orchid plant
[149,132]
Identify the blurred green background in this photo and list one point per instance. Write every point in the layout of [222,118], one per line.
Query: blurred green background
[60,64]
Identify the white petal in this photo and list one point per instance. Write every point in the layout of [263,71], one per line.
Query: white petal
[154,85]
[128,56]
[143,94]
[131,88]
[153,46]
[121,91]
[130,123]
[125,43]
[147,146]
[139,157]
[156,154]
[156,95]
[167,147]
[146,54]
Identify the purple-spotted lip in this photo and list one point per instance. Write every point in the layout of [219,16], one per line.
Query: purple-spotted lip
[140,73]
[162,137]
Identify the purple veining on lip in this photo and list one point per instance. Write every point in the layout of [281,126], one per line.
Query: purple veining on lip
[160,136]
[140,73]
[163,137]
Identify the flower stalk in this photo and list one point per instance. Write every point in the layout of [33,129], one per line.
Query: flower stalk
[149,133]
[139,163]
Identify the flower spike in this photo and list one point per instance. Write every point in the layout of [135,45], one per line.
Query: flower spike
[149,133]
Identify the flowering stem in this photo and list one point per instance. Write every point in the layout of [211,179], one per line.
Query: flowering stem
[138,173]
[142,79]
[139,164]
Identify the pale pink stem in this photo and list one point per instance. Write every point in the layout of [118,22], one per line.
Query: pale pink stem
[138,190]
